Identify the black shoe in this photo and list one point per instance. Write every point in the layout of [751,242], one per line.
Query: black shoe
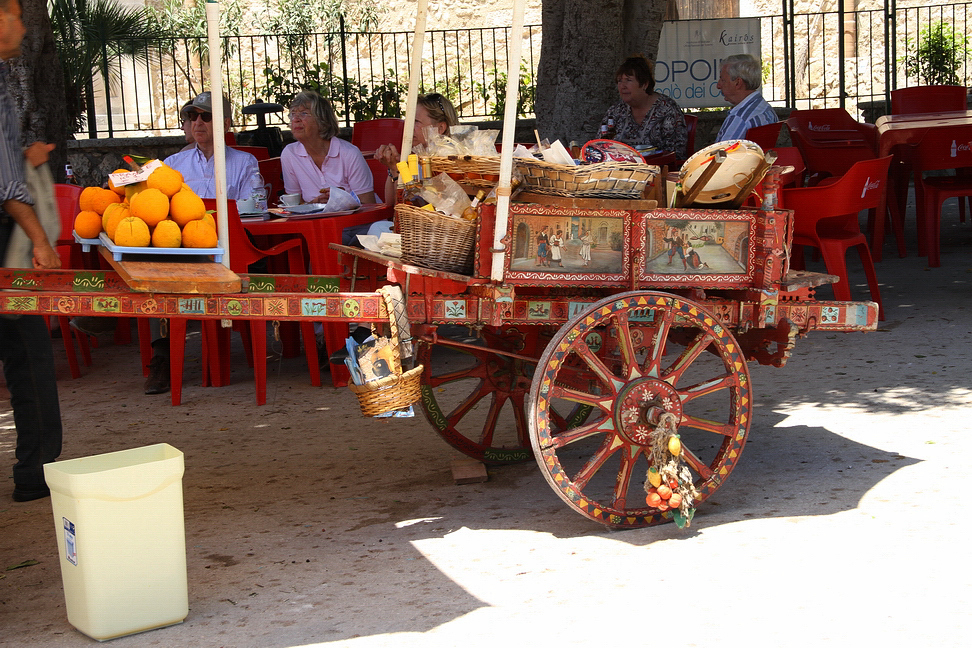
[158,378]
[25,494]
[96,326]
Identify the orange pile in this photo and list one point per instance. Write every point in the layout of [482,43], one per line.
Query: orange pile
[161,212]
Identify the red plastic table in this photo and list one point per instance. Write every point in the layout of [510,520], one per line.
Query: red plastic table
[318,231]
[895,131]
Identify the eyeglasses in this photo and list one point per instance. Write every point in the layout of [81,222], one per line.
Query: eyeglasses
[194,115]
[300,115]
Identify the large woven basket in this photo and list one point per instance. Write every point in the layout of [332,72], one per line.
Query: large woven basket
[472,170]
[600,180]
[433,240]
[391,392]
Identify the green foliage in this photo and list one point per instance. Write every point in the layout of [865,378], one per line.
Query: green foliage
[381,100]
[315,16]
[90,37]
[527,93]
[187,19]
[938,54]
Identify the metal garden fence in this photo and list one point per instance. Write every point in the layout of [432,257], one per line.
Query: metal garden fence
[821,59]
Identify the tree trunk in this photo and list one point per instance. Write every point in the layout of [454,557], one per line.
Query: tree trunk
[38,87]
[584,41]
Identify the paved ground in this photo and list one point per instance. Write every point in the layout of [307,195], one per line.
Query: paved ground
[844,524]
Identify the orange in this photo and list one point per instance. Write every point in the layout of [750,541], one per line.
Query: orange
[111,185]
[167,235]
[151,205]
[132,232]
[653,499]
[111,209]
[113,218]
[165,179]
[198,234]
[664,491]
[132,190]
[675,500]
[97,199]
[87,224]
[208,218]
[186,206]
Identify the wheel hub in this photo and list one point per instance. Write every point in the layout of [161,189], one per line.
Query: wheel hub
[640,406]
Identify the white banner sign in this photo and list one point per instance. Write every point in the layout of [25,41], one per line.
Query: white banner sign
[690,55]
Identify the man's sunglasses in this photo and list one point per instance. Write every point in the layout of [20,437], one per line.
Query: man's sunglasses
[194,115]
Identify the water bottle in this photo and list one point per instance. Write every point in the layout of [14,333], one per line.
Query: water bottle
[69,175]
[259,191]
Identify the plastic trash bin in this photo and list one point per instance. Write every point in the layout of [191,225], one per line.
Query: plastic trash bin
[121,538]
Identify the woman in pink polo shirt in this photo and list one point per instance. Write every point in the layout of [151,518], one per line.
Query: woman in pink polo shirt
[319,159]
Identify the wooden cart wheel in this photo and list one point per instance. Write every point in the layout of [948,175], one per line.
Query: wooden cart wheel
[476,398]
[651,353]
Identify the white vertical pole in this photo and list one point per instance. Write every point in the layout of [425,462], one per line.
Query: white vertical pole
[219,141]
[414,75]
[509,128]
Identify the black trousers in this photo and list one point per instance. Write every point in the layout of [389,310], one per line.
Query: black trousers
[28,366]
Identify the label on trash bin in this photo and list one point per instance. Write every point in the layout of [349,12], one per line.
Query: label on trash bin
[70,542]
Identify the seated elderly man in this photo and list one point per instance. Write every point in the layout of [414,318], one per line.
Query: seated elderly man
[739,81]
[196,163]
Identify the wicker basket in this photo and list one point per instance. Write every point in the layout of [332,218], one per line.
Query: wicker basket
[601,180]
[481,172]
[391,392]
[433,240]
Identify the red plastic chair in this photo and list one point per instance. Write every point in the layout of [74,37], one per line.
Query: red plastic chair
[369,135]
[826,217]
[259,152]
[939,150]
[216,338]
[923,99]
[766,135]
[71,257]
[691,123]
[272,173]
[831,141]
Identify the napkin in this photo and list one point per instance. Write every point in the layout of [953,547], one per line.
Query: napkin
[341,200]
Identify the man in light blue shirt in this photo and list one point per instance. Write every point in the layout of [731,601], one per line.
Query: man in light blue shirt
[196,163]
[739,81]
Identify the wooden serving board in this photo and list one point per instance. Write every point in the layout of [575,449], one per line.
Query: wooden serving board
[160,274]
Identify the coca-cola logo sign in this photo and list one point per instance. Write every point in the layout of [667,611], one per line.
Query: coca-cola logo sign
[818,127]
[869,184]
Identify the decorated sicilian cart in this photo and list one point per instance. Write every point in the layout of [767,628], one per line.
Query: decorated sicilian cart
[620,362]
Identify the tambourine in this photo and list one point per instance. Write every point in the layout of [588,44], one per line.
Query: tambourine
[605,150]
[742,159]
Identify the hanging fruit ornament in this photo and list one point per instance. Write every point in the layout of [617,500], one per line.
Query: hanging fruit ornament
[654,477]
[675,445]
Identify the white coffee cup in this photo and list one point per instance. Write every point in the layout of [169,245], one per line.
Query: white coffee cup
[290,199]
[246,205]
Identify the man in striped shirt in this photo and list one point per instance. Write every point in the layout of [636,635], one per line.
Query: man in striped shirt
[739,81]
[25,346]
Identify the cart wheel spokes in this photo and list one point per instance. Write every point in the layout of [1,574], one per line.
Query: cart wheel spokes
[644,354]
[472,398]
[475,398]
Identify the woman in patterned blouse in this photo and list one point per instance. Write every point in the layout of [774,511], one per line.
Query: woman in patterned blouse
[644,117]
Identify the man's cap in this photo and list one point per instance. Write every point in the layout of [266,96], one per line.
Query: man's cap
[204,103]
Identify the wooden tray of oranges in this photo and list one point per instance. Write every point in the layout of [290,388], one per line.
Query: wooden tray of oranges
[153,213]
